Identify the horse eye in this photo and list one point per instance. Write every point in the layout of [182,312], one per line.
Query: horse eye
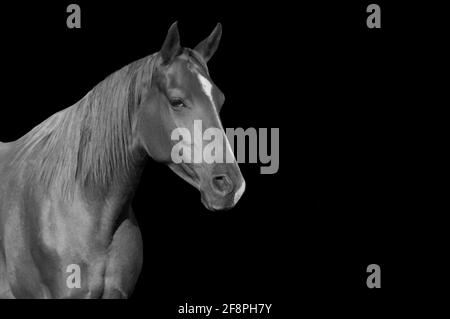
[177,103]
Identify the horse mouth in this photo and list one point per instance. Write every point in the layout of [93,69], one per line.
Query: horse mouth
[187,173]
[213,197]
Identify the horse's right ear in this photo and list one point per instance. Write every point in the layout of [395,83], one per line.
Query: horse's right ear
[171,45]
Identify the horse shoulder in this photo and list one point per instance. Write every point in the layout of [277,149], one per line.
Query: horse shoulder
[124,259]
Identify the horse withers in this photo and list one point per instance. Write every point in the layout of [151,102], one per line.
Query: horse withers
[66,187]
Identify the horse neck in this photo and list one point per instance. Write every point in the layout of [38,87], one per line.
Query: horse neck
[126,156]
[90,148]
[122,186]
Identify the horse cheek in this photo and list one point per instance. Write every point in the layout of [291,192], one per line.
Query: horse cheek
[156,135]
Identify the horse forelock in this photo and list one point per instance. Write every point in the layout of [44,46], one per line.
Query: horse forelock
[87,143]
[196,60]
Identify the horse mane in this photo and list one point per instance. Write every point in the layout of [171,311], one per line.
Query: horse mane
[88,142]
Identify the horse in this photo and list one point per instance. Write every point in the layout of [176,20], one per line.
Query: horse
[66,187]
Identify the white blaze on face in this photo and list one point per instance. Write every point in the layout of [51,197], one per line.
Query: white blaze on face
[207,89]
[206,86]
[239,192]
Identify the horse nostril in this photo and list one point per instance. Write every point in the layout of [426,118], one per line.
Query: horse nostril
[222,184]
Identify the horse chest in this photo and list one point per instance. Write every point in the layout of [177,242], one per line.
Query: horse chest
[103,270]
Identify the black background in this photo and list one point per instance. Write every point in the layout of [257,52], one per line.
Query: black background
[344,97]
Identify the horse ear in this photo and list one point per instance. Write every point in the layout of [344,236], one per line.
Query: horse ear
[171,45]
[208,47]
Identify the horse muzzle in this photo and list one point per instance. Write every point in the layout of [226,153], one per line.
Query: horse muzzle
[222,193]
[221,186]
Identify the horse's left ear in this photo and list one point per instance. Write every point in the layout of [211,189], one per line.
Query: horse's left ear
[208,47]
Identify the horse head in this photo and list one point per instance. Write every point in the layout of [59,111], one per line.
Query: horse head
[182,95]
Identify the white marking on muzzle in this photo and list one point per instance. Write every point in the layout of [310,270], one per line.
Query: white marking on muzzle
[239,192]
